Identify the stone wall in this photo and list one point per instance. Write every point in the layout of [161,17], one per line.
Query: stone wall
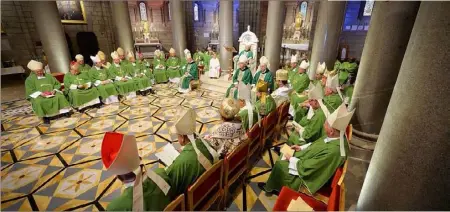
[20,30]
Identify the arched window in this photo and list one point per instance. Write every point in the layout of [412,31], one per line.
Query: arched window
[304,9]
[143,11]
[368,8]
[196,12]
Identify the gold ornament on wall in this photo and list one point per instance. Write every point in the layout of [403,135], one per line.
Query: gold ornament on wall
[71,12]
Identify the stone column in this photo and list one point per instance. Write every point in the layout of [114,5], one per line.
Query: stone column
[275,15]
[121,19]
[178,27]
[390,27]
[225,33]
[409,169]
[51,33]
[326,36]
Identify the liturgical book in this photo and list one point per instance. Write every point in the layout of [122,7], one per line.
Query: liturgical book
[168,154]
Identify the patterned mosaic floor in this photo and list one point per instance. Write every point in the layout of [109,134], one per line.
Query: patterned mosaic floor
[58,167]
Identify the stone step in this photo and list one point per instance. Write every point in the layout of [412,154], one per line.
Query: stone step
[218,85]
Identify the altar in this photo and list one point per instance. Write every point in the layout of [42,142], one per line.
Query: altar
[147,49]
[146,40]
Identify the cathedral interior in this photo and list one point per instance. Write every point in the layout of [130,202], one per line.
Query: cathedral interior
[398,71]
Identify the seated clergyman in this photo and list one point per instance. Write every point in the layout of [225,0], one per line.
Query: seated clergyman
[242,75]
[248,114]
[103,81]
[228,135]
[122,80]
[173,67]
[312,165]
[138,73]
[79,89]
[263,73]
[123,160]
[43,91]
[159,67]
[190,73]
[265,103]
[281,94]
[196,157]
[333,97]
[82,66]
[310,127]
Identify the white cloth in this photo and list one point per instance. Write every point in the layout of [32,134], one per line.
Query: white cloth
[130,95]
[73,87]
[90,103]
[111,99]
[118,78]
[35,94]
[293,161]
[214,67]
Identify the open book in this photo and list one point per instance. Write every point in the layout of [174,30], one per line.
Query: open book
[168,154]
[286,150]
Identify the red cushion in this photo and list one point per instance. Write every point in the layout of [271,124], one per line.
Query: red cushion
[287,195]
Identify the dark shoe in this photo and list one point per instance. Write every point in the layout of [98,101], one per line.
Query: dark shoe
[262,186]
[152,91]
[68,114]
[46,120]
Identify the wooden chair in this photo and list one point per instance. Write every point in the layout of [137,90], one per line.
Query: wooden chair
[178,204]
[283,112]
[206,190]
[254,139]
[235,165]
[269,123]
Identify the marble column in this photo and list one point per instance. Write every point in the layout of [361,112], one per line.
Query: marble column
[390,27]
[121,18]
[275,15]
[51,33]
[326,36]
[178,27]
[225,33]
[409,169]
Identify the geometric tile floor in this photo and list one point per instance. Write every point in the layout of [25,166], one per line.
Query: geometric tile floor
[57,166]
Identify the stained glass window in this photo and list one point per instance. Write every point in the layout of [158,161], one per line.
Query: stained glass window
[143,11]
[368,8]
[304,9]
[195,12]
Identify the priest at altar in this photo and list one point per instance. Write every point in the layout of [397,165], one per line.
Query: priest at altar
[44,93]
[310,127]
[79,88]
[242,75]
[122,80]
[312,165]
[229,134]
[103,82]
[281,94]
[190,74]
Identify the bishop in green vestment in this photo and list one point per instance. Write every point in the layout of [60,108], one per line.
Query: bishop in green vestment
[207,55]
[198,57]
[79,90]
[125,85]
[121,54]
[83,67]
[103,82]
[123,160]
[265,103]
[247,53]
[190,73]
[240,75]
[43,91]
[195,158]
[293,68]
[332,100]
[137,73]
[145,64]
[264,74]
[173,66]
[248,114]
[159,68]
[311,166]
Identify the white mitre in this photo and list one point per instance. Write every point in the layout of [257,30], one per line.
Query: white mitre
[35,65]
[114,55]
[243,59]
[263,60]
[320,68]
[294,59]
[316,91]
[185,124]
[304,65]
[244,92]
[339,120]
[332,82]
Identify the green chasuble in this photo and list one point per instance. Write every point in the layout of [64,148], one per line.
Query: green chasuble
[84,68]
[119,74]
[348,93]
[313,129]
[42,106]
[267,77]
[300,82]
[186,168]
[159,68]
[316,166]
[79,97]
[291,73]
[154,197]
[124,62]
[206,59]
[198,58]
[192,69]
[267,107]
[99,75]
[173,67]
[332,102]
[296,99]
[244,76]
[249,54]
[137,72]
[243,116]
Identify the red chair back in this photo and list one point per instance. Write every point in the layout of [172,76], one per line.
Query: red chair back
[269,123]
[237,159]
[206,189]
[283,112]
[254,137]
